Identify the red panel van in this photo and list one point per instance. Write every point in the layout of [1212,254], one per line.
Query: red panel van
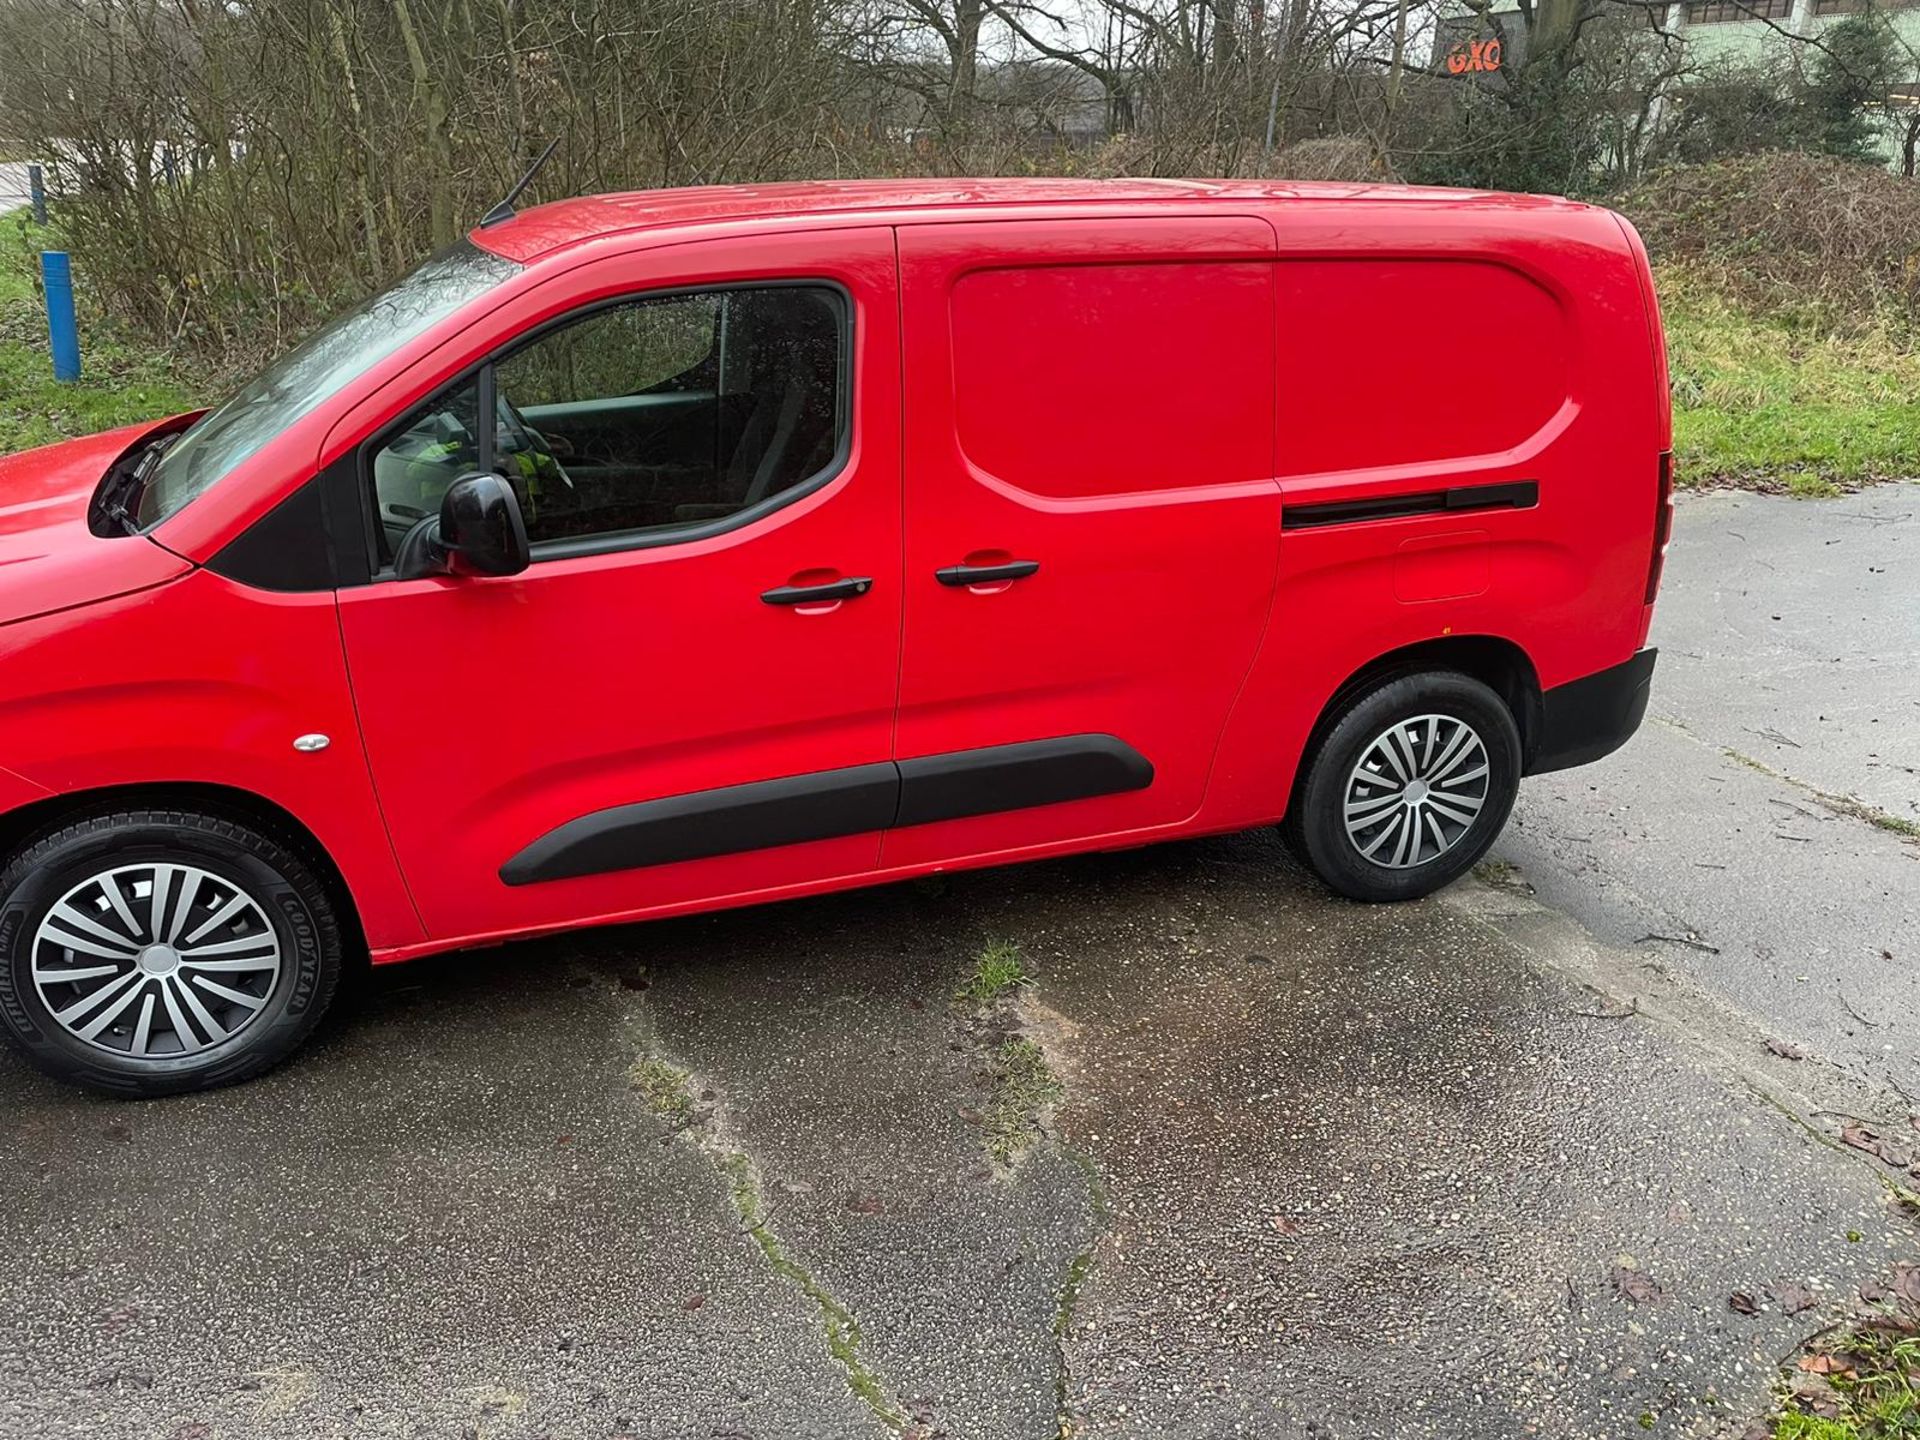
[651,553]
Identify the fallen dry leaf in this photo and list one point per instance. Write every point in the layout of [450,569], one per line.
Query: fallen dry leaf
[1861,1138]
[1742,1303]
[1906,1282]
[1283,1226]
[1793,1297]
[1638,1286]
[1786,1051]
[1827,1365]
[1816,1397]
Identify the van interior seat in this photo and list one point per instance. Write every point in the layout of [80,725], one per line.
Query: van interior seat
[789,382]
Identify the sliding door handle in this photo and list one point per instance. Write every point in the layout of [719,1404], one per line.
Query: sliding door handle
[958,575]
[852,588]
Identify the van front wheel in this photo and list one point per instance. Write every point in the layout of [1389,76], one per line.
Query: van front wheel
[1408,787]
[149,952]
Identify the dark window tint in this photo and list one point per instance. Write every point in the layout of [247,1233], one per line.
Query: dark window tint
[639,419]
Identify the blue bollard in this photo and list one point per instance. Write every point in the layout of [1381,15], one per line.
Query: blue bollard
[37,189]
[56,273]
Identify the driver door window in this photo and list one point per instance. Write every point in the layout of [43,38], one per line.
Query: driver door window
[638,422]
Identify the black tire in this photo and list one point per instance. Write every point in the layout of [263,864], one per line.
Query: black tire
[1316,825]
[291,915]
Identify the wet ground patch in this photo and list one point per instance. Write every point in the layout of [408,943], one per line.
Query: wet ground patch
[744,1173]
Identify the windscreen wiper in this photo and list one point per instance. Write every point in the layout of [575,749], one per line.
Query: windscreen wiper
[119,498]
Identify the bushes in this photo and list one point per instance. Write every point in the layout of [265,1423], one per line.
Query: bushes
[1534,133]
[1791,289]
[1826,243]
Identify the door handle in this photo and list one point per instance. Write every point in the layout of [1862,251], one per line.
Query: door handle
[958,575]
[852,588]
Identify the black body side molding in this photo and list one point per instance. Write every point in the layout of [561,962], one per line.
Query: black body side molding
[1592,716]
[820,806]
[828,804]
[1517,495]
[1014,777]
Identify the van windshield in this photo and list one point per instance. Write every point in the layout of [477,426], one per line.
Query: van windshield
[311,373]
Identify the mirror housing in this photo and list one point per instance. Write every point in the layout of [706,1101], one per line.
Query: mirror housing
[479,531]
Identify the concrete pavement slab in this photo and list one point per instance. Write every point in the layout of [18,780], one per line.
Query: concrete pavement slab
[451,1218]
[1790,681]
[1353,1172]
[1384,1173]
[1792,632]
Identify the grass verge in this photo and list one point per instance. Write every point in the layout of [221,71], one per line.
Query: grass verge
[1864,1385]
[1783,402]
[123,380]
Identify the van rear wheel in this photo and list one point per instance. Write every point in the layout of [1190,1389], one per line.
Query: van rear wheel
[1408,787]
[150,952]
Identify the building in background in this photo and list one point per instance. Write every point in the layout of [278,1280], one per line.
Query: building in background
[1714,33]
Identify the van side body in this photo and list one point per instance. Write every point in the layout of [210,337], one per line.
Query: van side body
[1124,497]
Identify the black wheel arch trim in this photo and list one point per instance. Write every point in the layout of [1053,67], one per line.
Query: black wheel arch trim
[1586,719]
[832,804]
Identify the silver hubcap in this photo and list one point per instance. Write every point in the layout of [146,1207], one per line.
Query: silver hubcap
[155,961]
[1416,791]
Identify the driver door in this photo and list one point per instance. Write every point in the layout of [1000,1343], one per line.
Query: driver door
[688,695]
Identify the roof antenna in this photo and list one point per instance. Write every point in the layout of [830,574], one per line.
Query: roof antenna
[504,210]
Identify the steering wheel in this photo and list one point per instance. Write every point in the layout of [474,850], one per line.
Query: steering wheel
[531,441]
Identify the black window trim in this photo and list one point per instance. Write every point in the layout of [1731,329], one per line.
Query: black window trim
[615,541]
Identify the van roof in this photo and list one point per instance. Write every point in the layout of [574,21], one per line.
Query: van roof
[545,228]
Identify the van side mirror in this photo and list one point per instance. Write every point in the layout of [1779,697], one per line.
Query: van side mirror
[479,531]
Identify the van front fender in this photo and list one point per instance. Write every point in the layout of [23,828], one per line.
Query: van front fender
[209,683]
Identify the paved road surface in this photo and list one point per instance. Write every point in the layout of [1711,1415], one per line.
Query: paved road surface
[1789,683]
[1316,1169]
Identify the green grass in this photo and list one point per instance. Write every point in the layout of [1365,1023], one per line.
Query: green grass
[1877,1393]
[1785,402]
[1023,1086]
[122,380]
[998,970]
[665,1088]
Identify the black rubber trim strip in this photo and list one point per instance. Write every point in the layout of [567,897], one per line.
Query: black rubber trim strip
[1015,777]
[830,804]
[822,806]
[1594,715]
[1514,495]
